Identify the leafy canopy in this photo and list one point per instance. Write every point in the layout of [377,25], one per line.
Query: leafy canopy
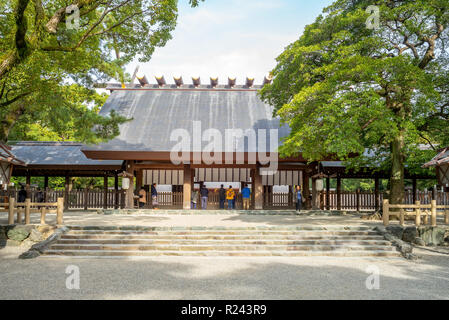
[49,64]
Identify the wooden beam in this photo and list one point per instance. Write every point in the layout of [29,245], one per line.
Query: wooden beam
[377,194]
[116,204]
[187,188]
[129,201]
[338,193]
[105,192]
[258,190]
[306,188]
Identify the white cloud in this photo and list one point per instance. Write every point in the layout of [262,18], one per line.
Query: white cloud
[239,38]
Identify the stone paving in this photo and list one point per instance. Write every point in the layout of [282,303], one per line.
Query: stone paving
[203,218]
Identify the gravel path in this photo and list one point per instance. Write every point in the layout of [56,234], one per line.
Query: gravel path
[224,278]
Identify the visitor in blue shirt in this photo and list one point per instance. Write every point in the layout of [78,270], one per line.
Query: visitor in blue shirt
[246,195]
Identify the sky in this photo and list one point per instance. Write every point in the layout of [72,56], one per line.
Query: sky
[236,38]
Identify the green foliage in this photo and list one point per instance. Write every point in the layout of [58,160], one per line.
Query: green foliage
[48,67]
[345,89]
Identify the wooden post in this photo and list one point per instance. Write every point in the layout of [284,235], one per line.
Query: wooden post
[86,198]
[11,210]
[27,210]
[105,192]
[187,188]
[376,194]
[418,213]
[315,205]
[66,192]
[357,194]
[19,215]
[130,191]
[401,217]
[60,211]
[306,188]
[338,193]
[43,213]
[328,193]
[252,173]
[116,204]
[258,190]
[28,184]
[446,217]
[386,213]
[46,189]
[434,213]
[415,198]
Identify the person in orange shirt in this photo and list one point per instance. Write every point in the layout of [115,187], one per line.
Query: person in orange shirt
[230,195]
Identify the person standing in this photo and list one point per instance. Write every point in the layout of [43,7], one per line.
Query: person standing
[154,196]
[299,198]
[40,197]
[194,198]
[222,195]
[230,194]
[22,195]
[246,196]
[204,196]
[142,197]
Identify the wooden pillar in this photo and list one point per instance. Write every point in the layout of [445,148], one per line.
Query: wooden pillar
[28,185]
[258,190]
[253,194]
[376,194]
[66,192]
[139,179]
[129,198]
[116,202]
[415,190]
[187,188]
[328,193]
[306,188]
[291,193]
[105,192]
[338,193]
[46,189]
[315,199]
[357,194]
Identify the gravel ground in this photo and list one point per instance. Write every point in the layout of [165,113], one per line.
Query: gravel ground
[227,220]
[225,278]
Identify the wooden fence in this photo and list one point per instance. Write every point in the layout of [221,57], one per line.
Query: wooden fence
[418,211]
[97,199]
[27,208]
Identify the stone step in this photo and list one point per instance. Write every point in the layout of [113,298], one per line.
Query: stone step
[139,253]
[225,232]
[217,237]
[213,228]
[217,242]
[218,247]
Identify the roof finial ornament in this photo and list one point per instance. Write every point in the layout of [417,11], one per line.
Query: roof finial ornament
[142,79]
[196,81]
[178,81]
[160,80]
[213,82]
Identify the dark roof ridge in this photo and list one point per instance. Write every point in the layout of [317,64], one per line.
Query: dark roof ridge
[48,143]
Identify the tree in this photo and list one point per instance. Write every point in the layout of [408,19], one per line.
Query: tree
[380,93]
[52,52]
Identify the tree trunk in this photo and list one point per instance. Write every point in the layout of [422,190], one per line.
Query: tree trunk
[9,120]
[397,170]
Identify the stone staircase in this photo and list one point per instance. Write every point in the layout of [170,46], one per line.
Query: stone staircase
[136,241]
